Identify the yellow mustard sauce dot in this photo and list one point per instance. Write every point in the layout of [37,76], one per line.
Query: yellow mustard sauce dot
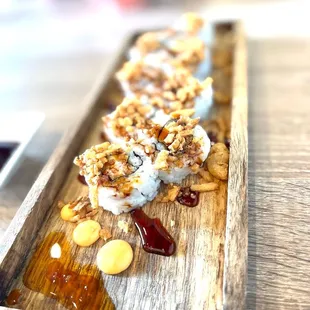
[86,233]
[67,213]
[114,257]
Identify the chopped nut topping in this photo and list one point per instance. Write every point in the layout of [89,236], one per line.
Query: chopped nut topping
[167,92]
[186,52]
[206,187]
[161,160]
[129,116]
[184,112]
[105,234]
[77,210]
[172,223]
[147,42]
[124,226]
[173,192]
[192,22]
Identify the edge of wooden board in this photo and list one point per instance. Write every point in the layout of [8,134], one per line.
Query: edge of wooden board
[236,240]
[27,221]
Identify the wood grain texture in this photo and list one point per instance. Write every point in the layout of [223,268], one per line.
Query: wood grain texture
[279,136]
[236,244]
[192,279]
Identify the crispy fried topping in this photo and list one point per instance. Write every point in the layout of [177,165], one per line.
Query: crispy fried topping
[105,234]
[191,22]
[186,51]
[129,116]
[206,187]
[217,161]
[124,226]
[167,92]
[147,42]
[79,210]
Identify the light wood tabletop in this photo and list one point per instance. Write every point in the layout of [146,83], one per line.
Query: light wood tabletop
[55,81]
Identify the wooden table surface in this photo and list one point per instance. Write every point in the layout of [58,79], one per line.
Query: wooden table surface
[279,135]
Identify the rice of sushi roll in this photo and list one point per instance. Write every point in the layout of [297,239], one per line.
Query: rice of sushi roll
[167,92]
[119,179]
[186,148]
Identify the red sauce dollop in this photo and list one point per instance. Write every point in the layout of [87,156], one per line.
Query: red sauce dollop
[154,236]
[188,197]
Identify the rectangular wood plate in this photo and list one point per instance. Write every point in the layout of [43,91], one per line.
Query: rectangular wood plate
[209,269]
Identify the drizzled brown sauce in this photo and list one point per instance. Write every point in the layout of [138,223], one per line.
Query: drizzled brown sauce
[187,197]
[154,236]
[53,272]
[14,297]
[81,178]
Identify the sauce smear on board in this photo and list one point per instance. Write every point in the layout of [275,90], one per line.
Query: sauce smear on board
[154,236]
[188,197]
[53,272]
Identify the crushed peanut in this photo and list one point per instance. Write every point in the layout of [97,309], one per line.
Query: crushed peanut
[206,187]
[172,223]
[161,160]
[129,116]
[187,51]
[173,192]
[167,92]
[124,226]
[192,22]
[184,112]
[105,234]
[147,42]
[217,161]
[78,210]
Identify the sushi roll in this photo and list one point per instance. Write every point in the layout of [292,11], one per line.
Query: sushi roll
[183,45]
[167,92]
[186,148]
[119,179]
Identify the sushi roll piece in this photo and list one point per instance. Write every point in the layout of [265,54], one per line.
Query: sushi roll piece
[131,121]
[119,179]
[167,92]
[182,45]
[186,148]
[194,24]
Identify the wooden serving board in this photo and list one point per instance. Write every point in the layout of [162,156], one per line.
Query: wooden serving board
[208,270]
